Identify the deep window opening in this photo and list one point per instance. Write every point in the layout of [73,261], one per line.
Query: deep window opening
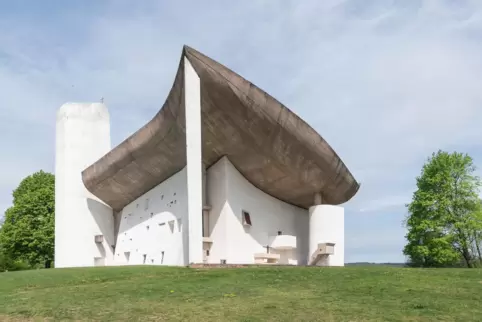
[246,218]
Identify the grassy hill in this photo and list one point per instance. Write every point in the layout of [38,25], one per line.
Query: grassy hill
[151,293]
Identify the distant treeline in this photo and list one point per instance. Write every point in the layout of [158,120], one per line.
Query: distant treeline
[376,264]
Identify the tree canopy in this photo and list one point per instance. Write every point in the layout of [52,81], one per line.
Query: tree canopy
[27,233]
[444,219]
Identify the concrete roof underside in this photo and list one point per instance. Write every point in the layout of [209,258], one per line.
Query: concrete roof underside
[270,146]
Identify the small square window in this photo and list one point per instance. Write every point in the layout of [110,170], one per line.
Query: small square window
[246,218]
[146,206]
[171,225]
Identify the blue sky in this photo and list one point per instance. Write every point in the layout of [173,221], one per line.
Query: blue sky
[386,83]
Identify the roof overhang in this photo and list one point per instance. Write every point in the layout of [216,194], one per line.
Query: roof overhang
[270,145]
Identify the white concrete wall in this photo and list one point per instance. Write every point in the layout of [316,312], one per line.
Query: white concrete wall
[154,225]
[82,137]
[327,224]
[192,102]
[229,193]
[216,195]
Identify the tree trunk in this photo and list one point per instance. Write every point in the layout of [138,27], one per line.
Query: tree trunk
[464,247]
[466,255]
[477,246]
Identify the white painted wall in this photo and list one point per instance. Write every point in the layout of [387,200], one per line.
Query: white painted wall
[216,196]
[82,137]
[155,223]
[327,224]
[229,193]
[192,102]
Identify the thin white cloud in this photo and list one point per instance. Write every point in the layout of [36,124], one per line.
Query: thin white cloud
[387,202]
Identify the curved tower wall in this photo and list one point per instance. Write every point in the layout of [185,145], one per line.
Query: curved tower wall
[82,137]
[327,225]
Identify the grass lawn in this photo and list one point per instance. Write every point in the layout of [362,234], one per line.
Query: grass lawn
[150,293]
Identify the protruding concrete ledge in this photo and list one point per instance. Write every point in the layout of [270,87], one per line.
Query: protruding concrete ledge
[266,258]
[207,240]
[282,242]
[323,251]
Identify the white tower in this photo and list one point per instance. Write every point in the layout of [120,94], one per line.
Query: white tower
[82,137]
[327,234]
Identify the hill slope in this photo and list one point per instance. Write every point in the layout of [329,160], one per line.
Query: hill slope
[151,293]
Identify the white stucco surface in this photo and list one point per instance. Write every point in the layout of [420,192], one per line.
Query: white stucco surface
[82,137]
[192,101]
[216,177]
[154,226]
[229,194]
[327,225]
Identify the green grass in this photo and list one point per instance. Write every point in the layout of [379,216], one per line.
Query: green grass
[151,293]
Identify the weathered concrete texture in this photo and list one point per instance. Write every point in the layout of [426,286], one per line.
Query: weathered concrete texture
[271,146]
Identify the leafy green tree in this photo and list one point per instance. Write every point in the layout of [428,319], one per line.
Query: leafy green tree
[444,218]
[9,264]
[476,235]
[27,233]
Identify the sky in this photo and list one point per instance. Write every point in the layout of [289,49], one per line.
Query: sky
[386,83]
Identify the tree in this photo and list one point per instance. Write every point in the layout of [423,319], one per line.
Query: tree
[444,218]
[27,233]
[476,235]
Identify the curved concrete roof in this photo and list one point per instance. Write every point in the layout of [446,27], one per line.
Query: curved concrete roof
[271,146]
